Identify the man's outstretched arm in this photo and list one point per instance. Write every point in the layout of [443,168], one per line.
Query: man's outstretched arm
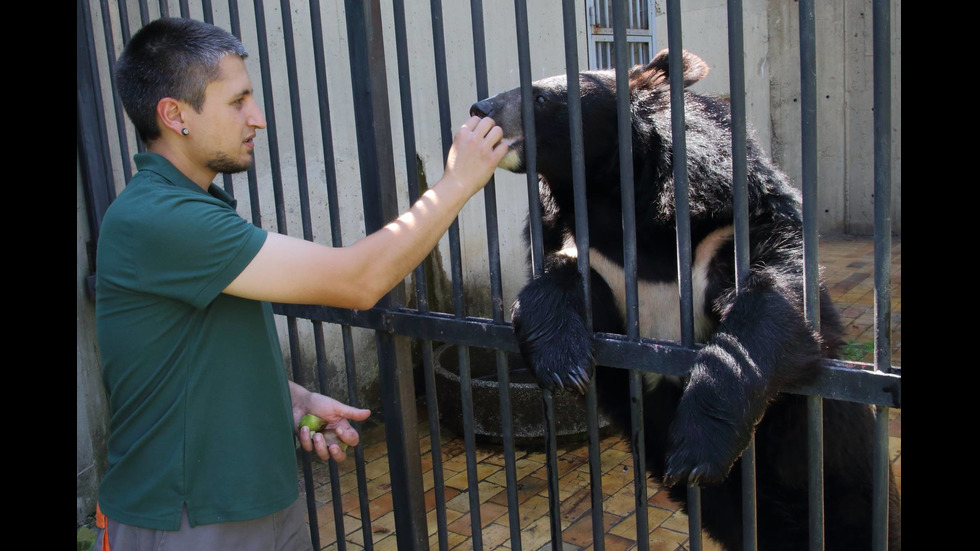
[292,270]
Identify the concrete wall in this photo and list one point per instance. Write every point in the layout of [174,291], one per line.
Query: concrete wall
[90,405]
[772,82]
[845,148]
[704,28]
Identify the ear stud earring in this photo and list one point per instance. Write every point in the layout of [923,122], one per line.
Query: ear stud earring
[185,131]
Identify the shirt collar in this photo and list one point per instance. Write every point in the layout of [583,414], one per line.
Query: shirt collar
[159,164]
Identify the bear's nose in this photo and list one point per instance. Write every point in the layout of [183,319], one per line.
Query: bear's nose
[481,109]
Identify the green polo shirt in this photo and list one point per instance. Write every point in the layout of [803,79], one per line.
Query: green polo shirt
[200,411]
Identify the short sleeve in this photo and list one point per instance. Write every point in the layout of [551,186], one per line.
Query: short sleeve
[192,250]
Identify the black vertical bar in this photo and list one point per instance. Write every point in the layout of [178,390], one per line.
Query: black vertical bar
[333,207]
[537,254]
[530,150]
[808,106]
[336,497]
[881,38]
[253,186]
[503,377]
[236,26]
[376,162]
[405,95]
[362,495]
[91,138]
[270,117]
[414,191]
[301,181]
[281,223]
[537,258]
[296,365]
[446,121]
[144,12]
[479,56]
[297,118]
[469,439]
[466,393]
[116,103]
[435,445]
[442,94]
[401,435]
[681,185]
[123,7]
[569,8]
[442,79]
[496,287]
[736,62]
[226,179]
[624,119]
[551,465]
[683,221]
[338,511]
[739,155]
[811,296]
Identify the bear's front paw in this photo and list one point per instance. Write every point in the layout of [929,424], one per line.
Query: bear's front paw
[548,322]
[704,444]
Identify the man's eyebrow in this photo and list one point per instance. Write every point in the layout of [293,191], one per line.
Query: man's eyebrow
[243,94]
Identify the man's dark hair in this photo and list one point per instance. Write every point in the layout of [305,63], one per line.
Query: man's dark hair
[170,57]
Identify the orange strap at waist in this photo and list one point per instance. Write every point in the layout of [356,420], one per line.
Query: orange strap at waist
[101,522]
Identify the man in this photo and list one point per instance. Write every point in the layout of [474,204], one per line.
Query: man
[201,450]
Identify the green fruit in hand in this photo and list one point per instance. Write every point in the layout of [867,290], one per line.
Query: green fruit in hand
[315,424]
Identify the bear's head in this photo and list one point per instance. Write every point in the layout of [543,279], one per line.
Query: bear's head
[598,93]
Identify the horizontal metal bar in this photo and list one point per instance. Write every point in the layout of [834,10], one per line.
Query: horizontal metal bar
[840,380]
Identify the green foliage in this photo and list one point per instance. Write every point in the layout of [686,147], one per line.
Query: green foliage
[856,351]
[85,538]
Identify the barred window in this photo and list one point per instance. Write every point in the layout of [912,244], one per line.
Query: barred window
[641,32]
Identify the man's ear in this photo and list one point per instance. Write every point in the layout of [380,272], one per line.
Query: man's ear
[170,114]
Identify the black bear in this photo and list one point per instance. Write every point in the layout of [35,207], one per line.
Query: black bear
[756,340]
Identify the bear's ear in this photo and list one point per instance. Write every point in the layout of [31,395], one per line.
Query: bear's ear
[656,74]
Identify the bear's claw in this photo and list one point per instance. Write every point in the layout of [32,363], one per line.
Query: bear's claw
[681,467]
[705,441]
[548,323]
[570,369]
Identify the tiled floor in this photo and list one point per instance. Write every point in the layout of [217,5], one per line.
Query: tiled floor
[849,273]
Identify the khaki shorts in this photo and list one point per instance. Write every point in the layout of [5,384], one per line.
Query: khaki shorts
[286,530]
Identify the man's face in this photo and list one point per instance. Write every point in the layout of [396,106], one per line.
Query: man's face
[228,120]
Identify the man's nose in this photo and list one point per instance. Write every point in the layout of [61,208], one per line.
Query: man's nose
[257,117]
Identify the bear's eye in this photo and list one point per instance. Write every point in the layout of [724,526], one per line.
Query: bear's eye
[539,99]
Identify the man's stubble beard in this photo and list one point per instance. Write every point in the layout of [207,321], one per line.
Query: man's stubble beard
[222,164]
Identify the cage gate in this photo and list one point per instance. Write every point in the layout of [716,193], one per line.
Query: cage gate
[307,158]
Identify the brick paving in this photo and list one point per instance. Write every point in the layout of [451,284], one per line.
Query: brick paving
[848,270]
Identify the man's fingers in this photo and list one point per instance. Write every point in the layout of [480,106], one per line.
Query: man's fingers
[348,435]
[305,439]
[471,123]
[326,450]
[495,134]
[337,453]
[484,126]
[480,126]
[356,414]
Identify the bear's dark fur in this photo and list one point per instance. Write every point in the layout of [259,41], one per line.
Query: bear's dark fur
[757,340]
